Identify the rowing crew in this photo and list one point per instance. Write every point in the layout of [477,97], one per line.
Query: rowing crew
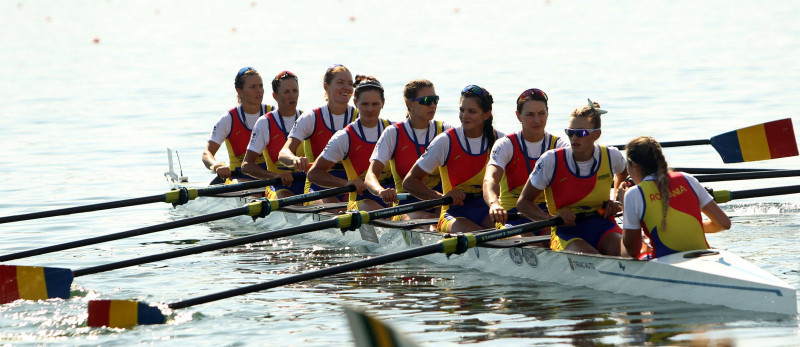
[486,173]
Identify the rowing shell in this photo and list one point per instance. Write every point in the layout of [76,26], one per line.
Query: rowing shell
[711,277]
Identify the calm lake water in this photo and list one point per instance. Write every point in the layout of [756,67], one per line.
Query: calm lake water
[92,92]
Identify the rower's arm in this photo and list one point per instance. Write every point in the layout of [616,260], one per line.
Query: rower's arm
[526,204]
[250,168]
[414,183]
[717,221]
[218,167]
[389,195]
[287,157]
[319,174]
[491,193]
[632,239]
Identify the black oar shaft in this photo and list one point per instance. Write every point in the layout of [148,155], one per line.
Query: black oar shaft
[711,170]
[81,209]
[677,143]
[747,175]
[754,193]
[135,232]
[209,247]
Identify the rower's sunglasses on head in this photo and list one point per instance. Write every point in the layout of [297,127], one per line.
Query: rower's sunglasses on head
[243,70]
[284,74]
[536,92]
[579,132]
[474,90]
[333,66]
[427,100]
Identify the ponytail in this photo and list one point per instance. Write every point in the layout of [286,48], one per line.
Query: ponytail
[485,101]
[646,152]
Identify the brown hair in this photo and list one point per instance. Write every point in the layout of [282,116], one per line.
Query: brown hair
[365,83]
[485,101]
[330,72]
[238,82]
[412,91]
[276,82]
[589,112]
[646,152]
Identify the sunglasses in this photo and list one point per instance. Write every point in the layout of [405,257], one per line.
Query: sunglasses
[537,94]
[333,66]
[579,132]
[427,100]
[284,74]
[243,70]
[473,89]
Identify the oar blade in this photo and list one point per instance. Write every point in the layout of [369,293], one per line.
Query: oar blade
[765,141]
[369,331]
[123,314]
[33,283]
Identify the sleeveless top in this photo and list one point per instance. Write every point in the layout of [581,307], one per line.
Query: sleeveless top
[237,140]
[405,154]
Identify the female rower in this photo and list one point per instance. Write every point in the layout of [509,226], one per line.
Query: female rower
[234,127]
[313,129]
[269,136]
[513,157]
[578,179]
[666,204]
[353,145]
[461,155]
[404,142]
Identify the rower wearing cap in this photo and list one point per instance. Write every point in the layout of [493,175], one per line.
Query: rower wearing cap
[404,142]
[314,129]
[269,135]
[353,145]
[461,155]
[667,205]
[514,156]
[575,179]
[234,127]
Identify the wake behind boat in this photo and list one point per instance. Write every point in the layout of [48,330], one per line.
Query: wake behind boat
[712,277]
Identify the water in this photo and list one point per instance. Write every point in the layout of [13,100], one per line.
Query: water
[88,122]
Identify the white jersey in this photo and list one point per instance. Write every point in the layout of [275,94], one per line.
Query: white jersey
[339,144]
[633,213]
[384,150]
[439,148]
[503,149]
[304,127]
[259,138]
[223,127]
[546,165]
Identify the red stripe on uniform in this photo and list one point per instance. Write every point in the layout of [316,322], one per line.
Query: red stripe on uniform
[9,290]
[99,312]
[780,137]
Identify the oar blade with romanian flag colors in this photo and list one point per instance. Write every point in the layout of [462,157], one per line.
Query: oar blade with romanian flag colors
[33,283]
[123,314]
[770,140]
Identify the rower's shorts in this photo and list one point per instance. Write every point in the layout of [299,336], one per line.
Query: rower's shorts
[296,188]
[522,220]
[474,209]
[591,230]
[311,187]
[366,195]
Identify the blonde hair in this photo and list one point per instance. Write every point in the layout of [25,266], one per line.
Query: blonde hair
[589,112]
[646,152]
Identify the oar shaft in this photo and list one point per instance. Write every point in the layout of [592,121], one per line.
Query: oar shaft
[209,247]
[703,171]
[747,175]
[81,209]
[677,143]
[754,193]
[135,232]
[213,190]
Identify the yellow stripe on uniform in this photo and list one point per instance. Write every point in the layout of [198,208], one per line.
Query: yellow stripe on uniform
[31,283]
[753,143]
[123,313]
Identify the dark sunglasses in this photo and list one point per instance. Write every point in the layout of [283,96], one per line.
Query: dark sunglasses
[537,94]
[427,100]
[284,74]
[243,70]
[473,89]
[579,132]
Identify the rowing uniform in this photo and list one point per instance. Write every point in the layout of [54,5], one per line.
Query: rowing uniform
[352,146]
[399,148]
[234,127]
[268,137]
[517,157]
[684,224]
[315,128]
[462,164]
[581,187]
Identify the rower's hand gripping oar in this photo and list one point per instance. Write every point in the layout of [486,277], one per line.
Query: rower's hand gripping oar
[34,283]
[127,313]
[769,140]
[175,197]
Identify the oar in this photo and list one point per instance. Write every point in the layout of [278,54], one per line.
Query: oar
[255,209]
[769,140]
[747,175]
[127,313]
[33,283]
[712,170]
[176,197]
[721,196]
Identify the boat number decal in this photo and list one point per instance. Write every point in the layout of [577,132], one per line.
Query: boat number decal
[516,255]
[530,257]
[368,233]
[621,266]
[581,267]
